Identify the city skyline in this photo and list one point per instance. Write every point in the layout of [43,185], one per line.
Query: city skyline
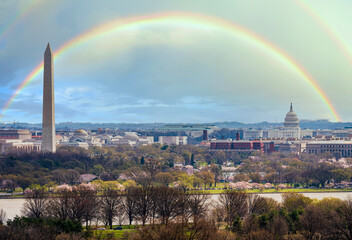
[177,62]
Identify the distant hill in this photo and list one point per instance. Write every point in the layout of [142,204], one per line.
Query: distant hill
[316,124]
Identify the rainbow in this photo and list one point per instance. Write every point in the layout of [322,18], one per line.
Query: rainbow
[188,19]
[338,40]
[26,9]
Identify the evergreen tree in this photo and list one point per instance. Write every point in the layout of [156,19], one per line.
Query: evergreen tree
[192,160]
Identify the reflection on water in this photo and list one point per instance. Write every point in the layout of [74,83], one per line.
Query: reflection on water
[13,206]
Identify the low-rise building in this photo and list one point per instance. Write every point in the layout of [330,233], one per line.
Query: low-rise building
[195,130]
[319,147]
[241,146]
[21,134]
[17,145]
[173,140]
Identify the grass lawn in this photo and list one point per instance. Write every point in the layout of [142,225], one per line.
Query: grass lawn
[119,234]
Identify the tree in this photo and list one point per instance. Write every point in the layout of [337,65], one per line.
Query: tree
[272,177]
[36,204]
[216,170]
[235,205]
[72,176]
[192,160]
[341,220]
[291,176]
[208,158]
[59,176]
[295,201]
[24,182]
[2,216]
[187,157]
[110,203]
[220,157]
[260,205]
[313,222]
[130,203]
[184,181]
[9,183]
[139,176]
[84,204]
[198,205]
[169,202]
[144,202]
[340,175]
[59,205]
[207,177]
[322,173]
[98,169]
[164,178]
[152,166]
[255,177]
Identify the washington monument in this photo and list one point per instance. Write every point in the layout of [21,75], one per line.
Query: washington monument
[48,128]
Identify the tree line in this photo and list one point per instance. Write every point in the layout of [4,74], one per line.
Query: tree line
[160,212]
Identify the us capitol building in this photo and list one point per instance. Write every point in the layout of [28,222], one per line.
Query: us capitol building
[290,129]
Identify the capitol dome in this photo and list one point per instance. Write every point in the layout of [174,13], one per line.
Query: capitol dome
[291,119]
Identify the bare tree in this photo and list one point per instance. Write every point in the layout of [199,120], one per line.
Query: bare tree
[59,206]
[139,176]
[144,202]
[91,205]
[258,205]
[35,205]
[130,203]
[235,204]
[218,215]
[2,216]
[110,205]
[340,223]
[59,176]
[198,205]
[313,222]
[168,203]
[72,176]
[83,204]
[152,166]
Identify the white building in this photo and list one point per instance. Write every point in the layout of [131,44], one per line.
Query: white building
[290,129]
[173,140]
[18,145]
[319,147]
[195,130]
[251,134]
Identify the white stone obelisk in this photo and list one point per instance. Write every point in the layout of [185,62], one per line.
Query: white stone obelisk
[48,127]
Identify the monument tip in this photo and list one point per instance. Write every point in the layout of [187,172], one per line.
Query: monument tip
[48,48]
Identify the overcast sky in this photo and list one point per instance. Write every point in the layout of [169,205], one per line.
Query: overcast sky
[170,71]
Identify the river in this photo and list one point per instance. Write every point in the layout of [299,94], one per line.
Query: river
[13,207]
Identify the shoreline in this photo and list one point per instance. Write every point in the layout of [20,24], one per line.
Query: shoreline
[20,196]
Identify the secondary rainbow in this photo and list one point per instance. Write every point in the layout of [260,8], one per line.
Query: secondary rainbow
[338,40]
[188,19]
[24,11]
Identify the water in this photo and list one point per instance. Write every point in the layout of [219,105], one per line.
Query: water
[319,196]
[13,207]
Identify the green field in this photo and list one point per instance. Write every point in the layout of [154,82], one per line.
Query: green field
[119,234]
